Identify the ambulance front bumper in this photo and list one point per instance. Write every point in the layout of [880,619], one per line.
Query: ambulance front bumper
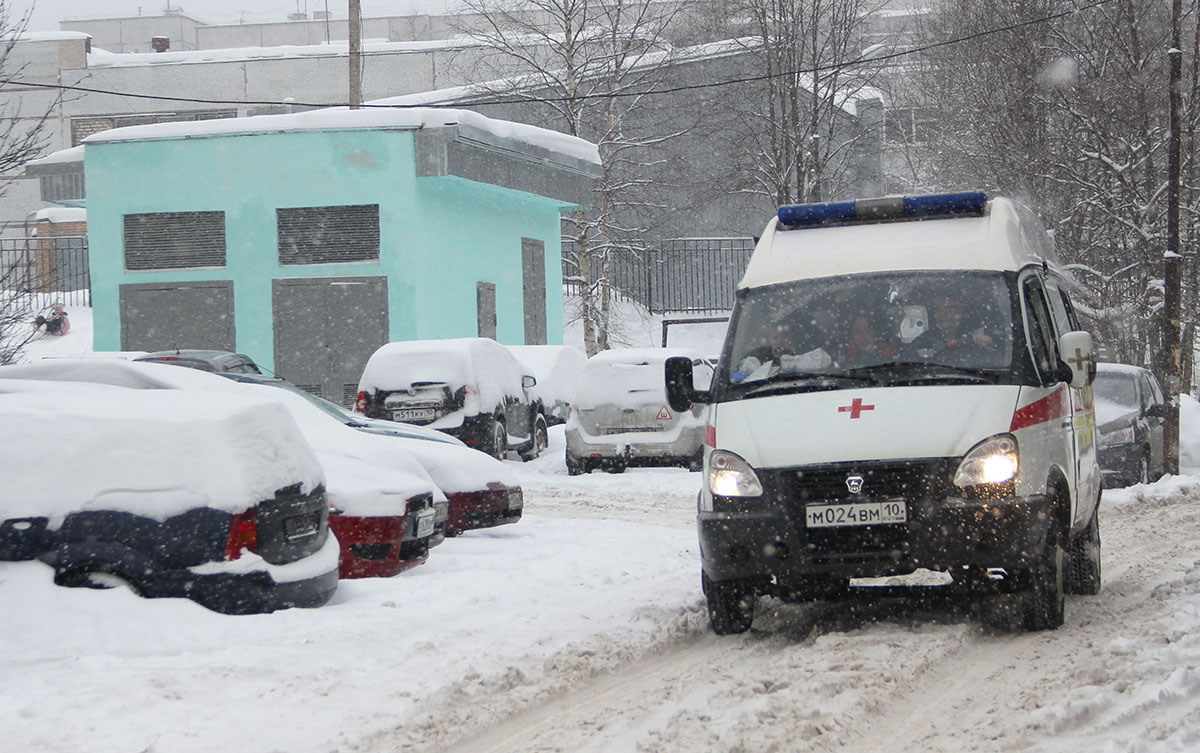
[939,534]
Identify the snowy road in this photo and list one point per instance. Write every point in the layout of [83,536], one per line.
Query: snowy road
[582,629]
[1121,675]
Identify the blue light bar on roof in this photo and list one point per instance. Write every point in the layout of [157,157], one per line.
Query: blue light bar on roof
[887,209]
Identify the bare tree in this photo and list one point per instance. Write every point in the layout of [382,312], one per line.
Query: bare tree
[1066,111]
[793,129]
[21,139]
[585,67]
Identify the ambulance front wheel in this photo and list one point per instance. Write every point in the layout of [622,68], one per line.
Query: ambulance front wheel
[1085,559]
[730,604]
[1045,599]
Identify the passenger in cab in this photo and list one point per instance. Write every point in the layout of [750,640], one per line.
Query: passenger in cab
[866,345]
[953,331]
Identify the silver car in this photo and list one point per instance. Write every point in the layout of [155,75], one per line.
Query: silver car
[620,416]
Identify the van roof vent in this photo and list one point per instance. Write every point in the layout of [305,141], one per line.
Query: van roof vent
[886,209]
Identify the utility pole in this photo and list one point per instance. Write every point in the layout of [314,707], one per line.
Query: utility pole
[1173,260]
[355,43]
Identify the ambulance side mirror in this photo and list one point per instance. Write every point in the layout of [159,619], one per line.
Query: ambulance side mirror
[681,390]
[1079,361]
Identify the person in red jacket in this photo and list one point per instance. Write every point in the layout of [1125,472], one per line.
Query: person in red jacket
[866,345]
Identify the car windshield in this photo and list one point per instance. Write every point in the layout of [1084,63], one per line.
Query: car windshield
[1116,388]
[882,328]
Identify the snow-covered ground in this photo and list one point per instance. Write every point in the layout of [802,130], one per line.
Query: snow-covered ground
[582,628]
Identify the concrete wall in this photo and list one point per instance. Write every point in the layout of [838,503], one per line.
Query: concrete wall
[135,34]
[438,236]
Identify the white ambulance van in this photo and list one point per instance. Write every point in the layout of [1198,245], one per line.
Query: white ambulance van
[904,385]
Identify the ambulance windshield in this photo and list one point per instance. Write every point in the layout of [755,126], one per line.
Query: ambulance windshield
[880,328]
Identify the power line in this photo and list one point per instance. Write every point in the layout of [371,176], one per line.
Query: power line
[873,60]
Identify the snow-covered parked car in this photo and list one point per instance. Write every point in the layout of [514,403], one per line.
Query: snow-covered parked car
[480,491]
[557,369]
[383,500]
[620,416]
[214,498]
[1130,413]
[472,388]
[205,360]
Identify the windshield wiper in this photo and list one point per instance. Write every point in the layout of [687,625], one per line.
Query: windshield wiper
[912,372]
[803,381]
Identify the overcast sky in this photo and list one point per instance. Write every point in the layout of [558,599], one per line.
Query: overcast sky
[47,13]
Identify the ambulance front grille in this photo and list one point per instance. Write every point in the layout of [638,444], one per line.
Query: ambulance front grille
[911,479]
[914,481]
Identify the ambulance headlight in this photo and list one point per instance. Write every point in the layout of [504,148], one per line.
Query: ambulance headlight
[730,476]
[992,461]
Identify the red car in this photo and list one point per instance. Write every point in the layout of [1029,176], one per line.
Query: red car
[482,493]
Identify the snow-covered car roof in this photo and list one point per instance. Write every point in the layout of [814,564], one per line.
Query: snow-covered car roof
[622,377]
[452,465]
[365,475]
[1103,367]
[112,371]
[557,369]
[155,454]
[477,361]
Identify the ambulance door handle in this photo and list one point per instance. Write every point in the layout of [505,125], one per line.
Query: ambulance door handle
[1067,424]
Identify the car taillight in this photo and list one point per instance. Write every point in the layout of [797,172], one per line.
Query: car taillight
[243,534]
[360,403]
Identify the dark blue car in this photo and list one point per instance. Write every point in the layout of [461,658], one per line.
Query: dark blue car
[207,497]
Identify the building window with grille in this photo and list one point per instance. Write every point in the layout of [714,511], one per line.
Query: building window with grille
[174,240]
[328,235]
[907,125]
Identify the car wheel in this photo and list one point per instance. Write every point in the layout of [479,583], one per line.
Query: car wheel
[1144,467]
[576,467]
[1045,599]
[498,445]
[89,577]
[1085,559]
[696,462]
[730,605]
[541,439]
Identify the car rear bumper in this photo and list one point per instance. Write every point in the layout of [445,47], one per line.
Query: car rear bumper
[370,547]
[236,587]
[258,592]
[633,446]
[940,535]
[483,509]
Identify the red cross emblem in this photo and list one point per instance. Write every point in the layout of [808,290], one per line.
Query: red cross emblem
[855,408]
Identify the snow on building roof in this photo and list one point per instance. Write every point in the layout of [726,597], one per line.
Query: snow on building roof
[341,118]
[51,36]
[847,100]
[74,154]
[62,214]
[99,58]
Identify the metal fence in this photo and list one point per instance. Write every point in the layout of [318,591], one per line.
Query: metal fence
[46,270]
[679,275]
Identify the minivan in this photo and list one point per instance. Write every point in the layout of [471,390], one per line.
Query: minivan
[904,385]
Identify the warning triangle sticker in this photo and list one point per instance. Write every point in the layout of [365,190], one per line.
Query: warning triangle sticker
[664,414]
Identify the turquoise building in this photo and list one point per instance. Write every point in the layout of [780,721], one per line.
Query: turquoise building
[308,240]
